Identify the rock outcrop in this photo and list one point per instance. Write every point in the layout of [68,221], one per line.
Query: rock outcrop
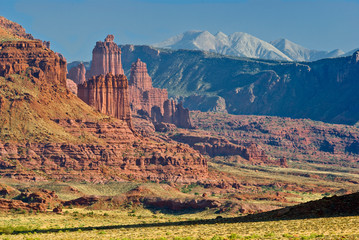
[77,74]
[31,58]
[108,94]
[72,86]
[176,114]
[219,146]
[106,58]
[152,101]
[142,95]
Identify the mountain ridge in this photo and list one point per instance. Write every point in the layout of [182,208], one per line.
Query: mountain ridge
[246,45]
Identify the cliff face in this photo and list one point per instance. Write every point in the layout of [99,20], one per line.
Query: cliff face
[106,58]
[324,90]
[108,94]
[122,156]
[152,101]
[77,74]
[32,59]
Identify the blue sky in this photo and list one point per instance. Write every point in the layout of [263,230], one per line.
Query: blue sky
[73,27]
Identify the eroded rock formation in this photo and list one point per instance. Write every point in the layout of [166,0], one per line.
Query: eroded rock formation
[122,155]
[108,94]
[142,95]
[77,74]
[152,101]
[48,133]
[219,146]
[106,58]
[30,58]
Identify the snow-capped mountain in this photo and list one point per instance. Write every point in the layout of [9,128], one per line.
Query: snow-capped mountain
[245,45]
[300,53]
[350,52]
[237,44]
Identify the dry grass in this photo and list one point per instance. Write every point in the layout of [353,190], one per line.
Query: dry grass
[75,220]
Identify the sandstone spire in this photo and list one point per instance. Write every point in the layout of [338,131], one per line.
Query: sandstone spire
[139,76]
[106,58]
[154,101]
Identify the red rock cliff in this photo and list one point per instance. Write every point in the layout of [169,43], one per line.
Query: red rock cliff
[106,58]
[108,94]
[32,58]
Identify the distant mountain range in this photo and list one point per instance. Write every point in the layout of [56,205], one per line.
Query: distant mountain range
[324,90]
[245,45]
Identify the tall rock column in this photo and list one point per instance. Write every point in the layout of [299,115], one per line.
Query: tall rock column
[106,58]
[108,94]
[142,95]
[78,74]
[139,76]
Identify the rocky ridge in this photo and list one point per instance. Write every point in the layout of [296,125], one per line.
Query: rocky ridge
[324,90]
[15,29]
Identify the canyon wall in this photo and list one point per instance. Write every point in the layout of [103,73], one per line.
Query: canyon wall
[30,58]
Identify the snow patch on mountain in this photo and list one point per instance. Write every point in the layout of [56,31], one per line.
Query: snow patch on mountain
[300,53]
[237,44]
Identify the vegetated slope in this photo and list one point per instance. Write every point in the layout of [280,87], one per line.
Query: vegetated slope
[237,44]
[12,31]
[300,53]
[324,90]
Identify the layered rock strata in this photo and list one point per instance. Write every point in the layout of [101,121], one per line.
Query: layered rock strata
[108,94]
[219,146]
[31,58]
[122,156]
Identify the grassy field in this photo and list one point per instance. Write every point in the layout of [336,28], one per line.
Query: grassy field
[144,224]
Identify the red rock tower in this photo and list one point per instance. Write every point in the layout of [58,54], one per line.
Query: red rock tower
[108,94]
[139,76]
[106,58]
[142,95]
